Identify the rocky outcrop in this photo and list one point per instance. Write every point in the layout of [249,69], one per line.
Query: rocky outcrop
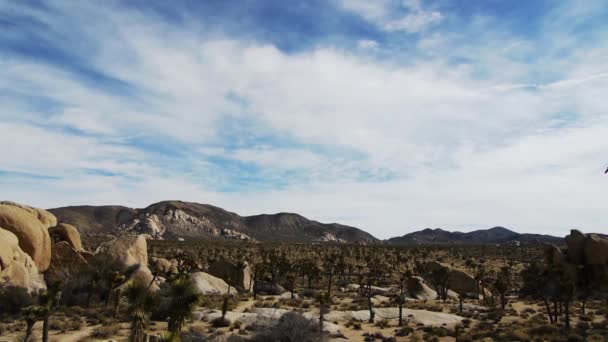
[68,233]
[16,267]
[208,284]
[586,255]
[554,255]
[30,226]
[268,288]
[237,275]
[66,263]
[44,216]
[126,250]
[173,221]
[458,280]
[163,266]
[418,289]
[142,274]
[576,246]
[596,250]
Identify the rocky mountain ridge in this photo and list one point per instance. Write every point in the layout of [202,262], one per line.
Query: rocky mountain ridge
[495,235]
[182,220]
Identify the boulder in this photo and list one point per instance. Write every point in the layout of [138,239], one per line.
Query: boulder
[126,250]
[596,250]
[68,233]
[34,239]
[418,289]
[16,267]
[66,263]
[268,288]
[553,255]
[238,275]
[208,284]
[576,247]
[44,216]
[458,280]
[142,274]
[163,266]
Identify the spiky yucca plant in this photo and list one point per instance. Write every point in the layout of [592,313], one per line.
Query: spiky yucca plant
[184,298]
[140,304]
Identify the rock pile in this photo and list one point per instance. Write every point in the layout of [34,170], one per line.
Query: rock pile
[585,255]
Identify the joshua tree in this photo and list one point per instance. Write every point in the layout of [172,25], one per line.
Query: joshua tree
[502,284]
[184,298]
[49,301]
[324,300]
[31,314]
[140,302]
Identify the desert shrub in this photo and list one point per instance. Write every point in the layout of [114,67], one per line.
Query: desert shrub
[237,324]
[105,332]
[382,324]
[220,322]
[404,331]
[292,326]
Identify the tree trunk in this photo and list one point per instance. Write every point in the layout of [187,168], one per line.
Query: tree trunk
[331,273]
[555,311]
[117,294]
[401,310]
[321,317]
[584,309]
[548,310]
[567,312]
[460,299]
[45,329]
[29,330]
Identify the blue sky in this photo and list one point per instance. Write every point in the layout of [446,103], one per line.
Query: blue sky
[389,115]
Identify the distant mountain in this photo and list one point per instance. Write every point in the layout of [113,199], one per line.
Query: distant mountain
[496,235]
[176,219]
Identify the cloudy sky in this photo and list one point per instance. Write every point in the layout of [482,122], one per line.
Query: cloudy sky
[389,115]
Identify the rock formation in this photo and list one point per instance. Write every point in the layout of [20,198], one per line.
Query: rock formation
[418,289]
[586,255]
[68,233]
[30,226]
[126,250]
[163,266]
[458,280]
[16,267]
[237,275]
[66,263]
[208,284]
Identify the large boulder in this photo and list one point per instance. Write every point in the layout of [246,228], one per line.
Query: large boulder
[418,289]
[596,250]
[576,247]
[66,263]
[31,231]
[553,255]
[458,280]
[142,274]
[163,266]
[126,250]
[68,233]
[268,288]
[44,216]
[208,284]
[16,267]
[238,275]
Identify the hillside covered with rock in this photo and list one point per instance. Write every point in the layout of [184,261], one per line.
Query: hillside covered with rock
[183,220]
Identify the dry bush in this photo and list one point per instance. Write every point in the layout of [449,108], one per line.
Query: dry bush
[105,331]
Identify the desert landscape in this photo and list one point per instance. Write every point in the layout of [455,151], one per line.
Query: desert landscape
[126,282]
[303,170]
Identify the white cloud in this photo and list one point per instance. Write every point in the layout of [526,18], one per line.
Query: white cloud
[367,44]
[382,13]
[461,150]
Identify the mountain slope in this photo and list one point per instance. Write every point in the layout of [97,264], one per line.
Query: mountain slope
[496,235]
[176,219]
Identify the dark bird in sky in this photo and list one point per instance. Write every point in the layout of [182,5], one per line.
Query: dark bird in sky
[606,171]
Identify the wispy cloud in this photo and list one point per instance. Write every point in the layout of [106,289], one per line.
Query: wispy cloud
[464,119]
